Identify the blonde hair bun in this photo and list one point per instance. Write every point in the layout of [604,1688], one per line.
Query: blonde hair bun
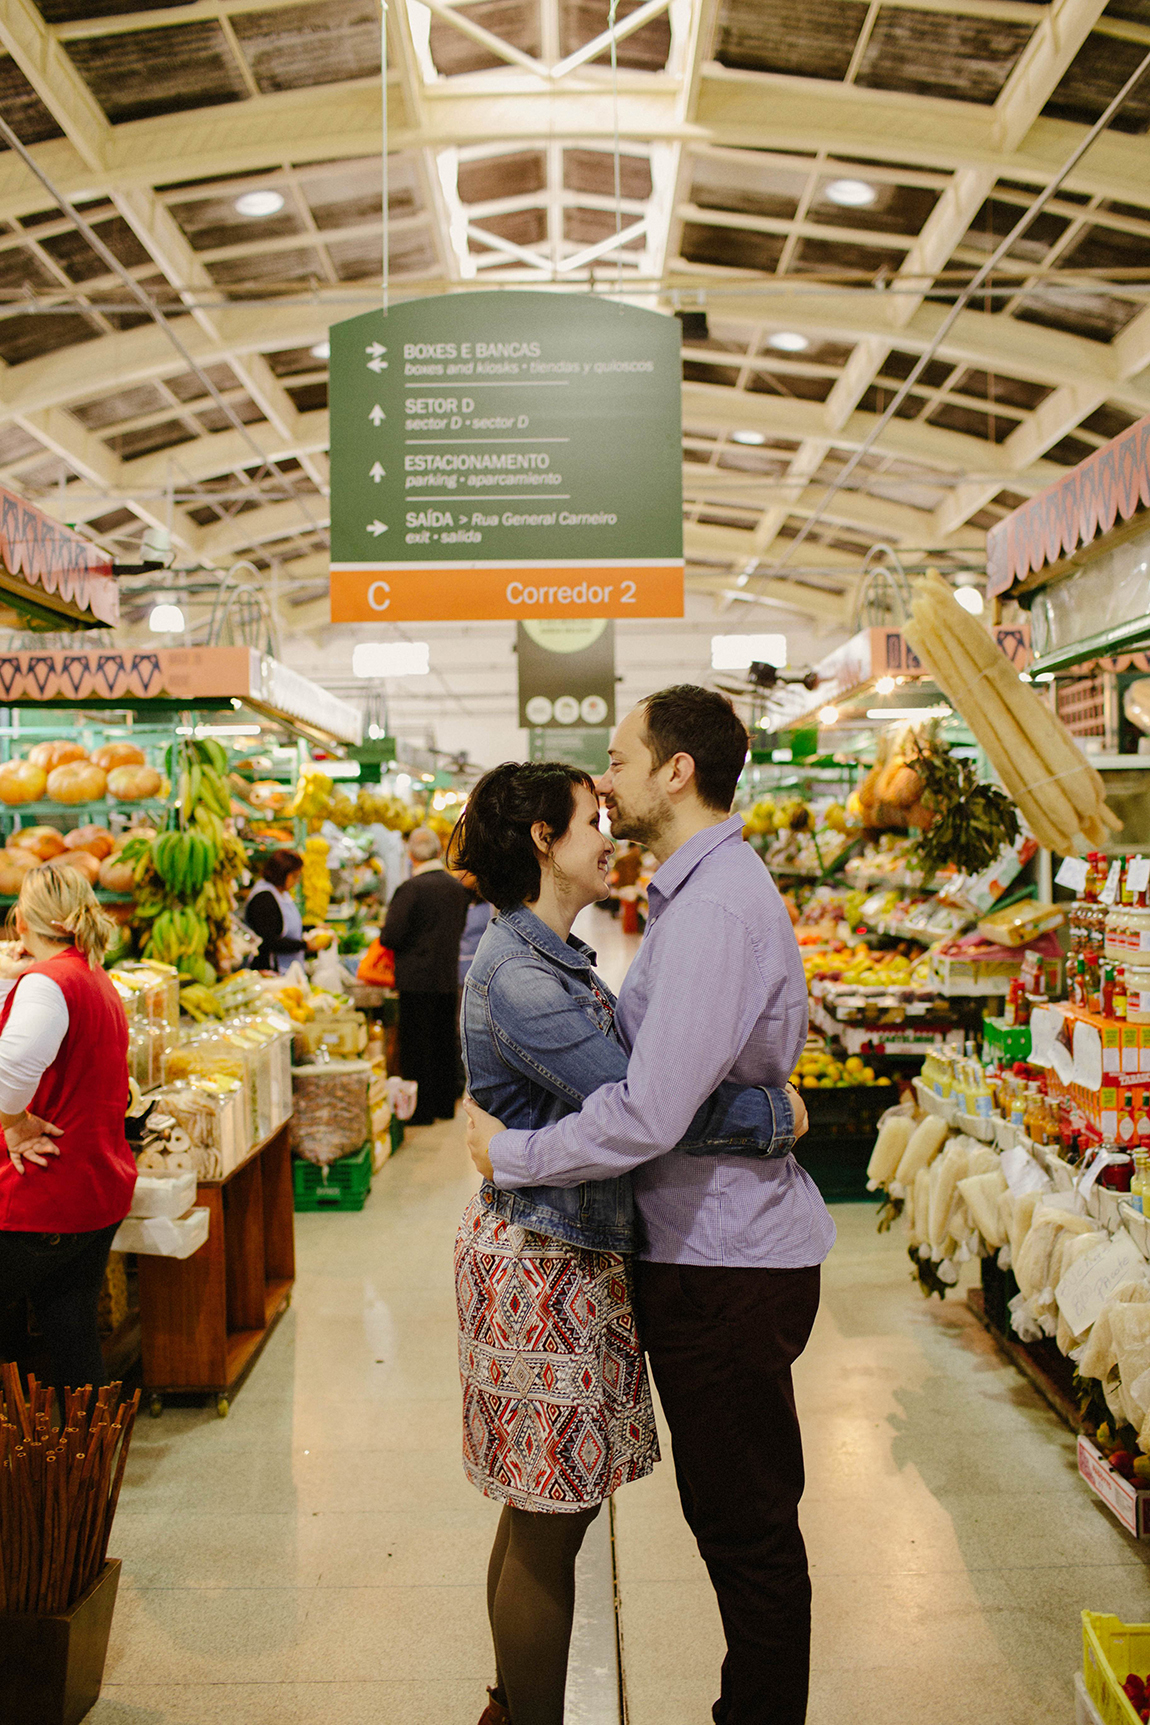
[59,905]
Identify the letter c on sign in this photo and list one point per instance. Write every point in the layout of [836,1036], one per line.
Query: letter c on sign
[374,603]
[515,593]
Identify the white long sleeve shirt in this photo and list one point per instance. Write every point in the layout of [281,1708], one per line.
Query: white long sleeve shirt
[31,1039]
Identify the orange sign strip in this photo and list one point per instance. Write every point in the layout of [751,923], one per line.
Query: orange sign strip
[429,592]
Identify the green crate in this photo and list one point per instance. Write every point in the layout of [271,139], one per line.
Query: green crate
[342,1185]
[1010,1042]
[395,1131]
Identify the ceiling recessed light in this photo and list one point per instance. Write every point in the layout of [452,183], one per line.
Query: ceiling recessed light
[321,350]
[851,194]
[266,203]
[828,715]
[165,620]
[747,437]
[788,341]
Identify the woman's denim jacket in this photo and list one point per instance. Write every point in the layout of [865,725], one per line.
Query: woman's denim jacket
[538,1036]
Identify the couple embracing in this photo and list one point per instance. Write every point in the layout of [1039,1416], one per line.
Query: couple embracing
[638,1196]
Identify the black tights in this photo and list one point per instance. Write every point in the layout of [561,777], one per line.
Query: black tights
[531,1604]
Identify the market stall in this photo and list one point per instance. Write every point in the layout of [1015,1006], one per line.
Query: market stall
[138,770]
[1027,1151]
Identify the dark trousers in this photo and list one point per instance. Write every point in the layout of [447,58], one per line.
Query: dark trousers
[721,1343]
[427,1052]
[62,1275]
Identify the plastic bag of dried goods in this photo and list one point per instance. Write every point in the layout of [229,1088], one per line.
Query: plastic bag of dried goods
[926,1141]
[894,1134]
[1099,1355]
[946,1172]
[1130,1327]
[981,1194]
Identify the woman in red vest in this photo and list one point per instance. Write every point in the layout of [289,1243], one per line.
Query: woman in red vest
[66,1172]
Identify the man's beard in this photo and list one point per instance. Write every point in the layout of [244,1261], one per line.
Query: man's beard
[645,827]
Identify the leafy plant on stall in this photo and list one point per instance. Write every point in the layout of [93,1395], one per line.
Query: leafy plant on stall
[971,821]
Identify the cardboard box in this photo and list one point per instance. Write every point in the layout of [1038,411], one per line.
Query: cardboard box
[1129,1503]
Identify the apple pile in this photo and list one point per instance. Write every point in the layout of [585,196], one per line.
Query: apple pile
[1137,1692]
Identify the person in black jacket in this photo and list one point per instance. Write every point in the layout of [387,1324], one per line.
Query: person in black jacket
[272,913]
[423,928]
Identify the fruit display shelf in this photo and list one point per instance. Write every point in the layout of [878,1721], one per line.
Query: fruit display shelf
[105,897]
[44,813]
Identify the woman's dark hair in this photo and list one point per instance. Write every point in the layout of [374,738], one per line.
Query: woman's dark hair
[279,866]
[703,724]
[492,838]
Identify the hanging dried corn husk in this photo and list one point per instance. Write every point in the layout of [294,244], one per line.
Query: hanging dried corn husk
[1057,791]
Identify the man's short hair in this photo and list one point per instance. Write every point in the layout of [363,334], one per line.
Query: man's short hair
[699,722]
[423,845]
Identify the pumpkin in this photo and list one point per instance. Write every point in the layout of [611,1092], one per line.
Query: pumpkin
[43,842]
[83,862]
[119,755]
[130,784]
[116,875]
[52,755]
[21,782]
[11,877]
[97,840]
[79,782]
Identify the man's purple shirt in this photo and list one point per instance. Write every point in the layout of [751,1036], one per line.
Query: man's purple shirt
[715,991]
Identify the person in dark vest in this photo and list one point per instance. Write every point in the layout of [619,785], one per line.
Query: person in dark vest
[423,928]
[66,1172]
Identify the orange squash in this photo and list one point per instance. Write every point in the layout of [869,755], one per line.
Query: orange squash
[78,782]
[52,755]
[83,862]
[21,782]
[44,843]
[131,784]
[97,840]
[119,755]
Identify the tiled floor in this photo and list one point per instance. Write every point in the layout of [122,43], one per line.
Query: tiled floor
[318,1556]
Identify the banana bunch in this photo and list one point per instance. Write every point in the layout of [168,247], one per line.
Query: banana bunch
[199,1002]
[316,879]
[201,786]
[184,860]
[312,796]
[233,857]
[177,936]
[215,901]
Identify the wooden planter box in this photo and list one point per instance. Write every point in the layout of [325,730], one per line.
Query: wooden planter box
[51,1668]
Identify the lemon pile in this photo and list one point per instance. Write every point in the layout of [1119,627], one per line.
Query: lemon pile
[819,1070]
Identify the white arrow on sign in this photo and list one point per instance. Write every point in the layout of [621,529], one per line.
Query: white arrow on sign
[377,365]
[377,527]
[376,414]
[376,471]
[375,349]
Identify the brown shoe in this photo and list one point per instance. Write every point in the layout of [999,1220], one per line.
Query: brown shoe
[495,1713]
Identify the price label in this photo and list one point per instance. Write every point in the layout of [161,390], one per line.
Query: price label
[1072,873]
[1110,891]
[1138,874]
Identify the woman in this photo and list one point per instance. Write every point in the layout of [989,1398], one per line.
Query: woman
[557,1408]
[272,912]
[66,1172]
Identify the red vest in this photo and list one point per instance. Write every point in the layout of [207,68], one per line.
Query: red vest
[84,1092]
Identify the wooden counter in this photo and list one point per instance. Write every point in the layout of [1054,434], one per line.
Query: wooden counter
[205,1318]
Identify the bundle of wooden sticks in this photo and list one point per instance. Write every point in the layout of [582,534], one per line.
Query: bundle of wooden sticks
[58,1490]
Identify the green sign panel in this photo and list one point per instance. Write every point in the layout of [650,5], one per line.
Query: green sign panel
[506,455]
[575,746]
[566,673]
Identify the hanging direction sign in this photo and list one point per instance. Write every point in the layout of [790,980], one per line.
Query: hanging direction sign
[506,455]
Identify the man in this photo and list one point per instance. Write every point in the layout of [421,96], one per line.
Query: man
[423,928]
[727,1284]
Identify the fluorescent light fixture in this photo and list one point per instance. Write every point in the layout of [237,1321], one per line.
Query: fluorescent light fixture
[402,784]
[341,769]
[851,194]
[166,620]
[391,659]
[265,203]
[229,730]
[740,652]
[755,437]
[970,599]
[884,686]
[788,341]
[321,350]
[828,715]
[914,714]
[1044,677]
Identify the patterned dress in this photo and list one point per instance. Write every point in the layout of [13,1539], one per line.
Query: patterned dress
[556,1404]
